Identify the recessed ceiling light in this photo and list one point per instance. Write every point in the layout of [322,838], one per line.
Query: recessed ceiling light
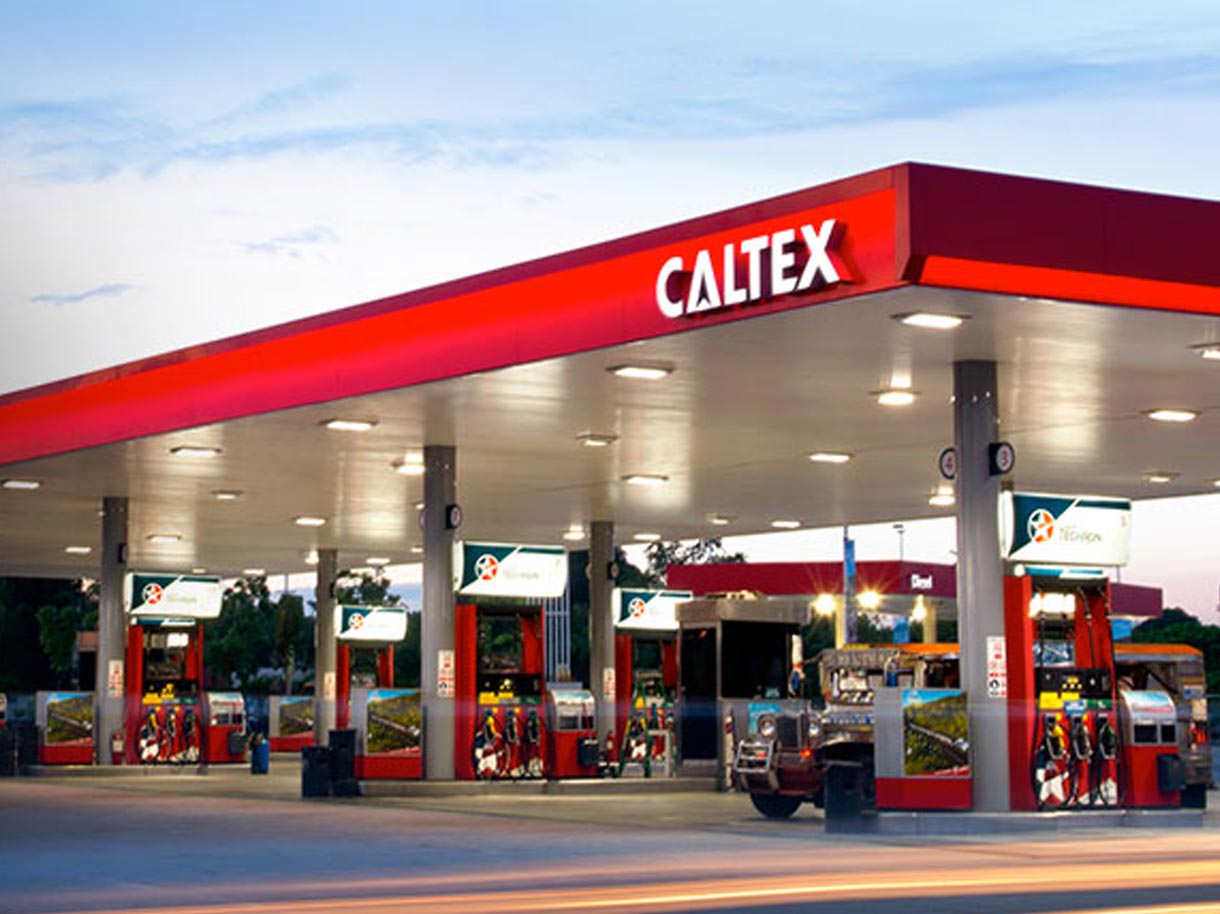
[930,321]
[785,524]
[641,372]
[895,396]
[254,572]
[1160,477]
[377,561]
[164,538]
[1172,415]
[829,457]
[411,465]
[417,549]
[190,450]
[646,480]
[719,520]
[1208,350]
[574,534]
[27,485]
[349,425]
[226,494]
[78,550]
[312,557]
[307,521]
[647,537]
[1216,483]
[592,439]
[943,497]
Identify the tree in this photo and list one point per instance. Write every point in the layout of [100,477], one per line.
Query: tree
[24,665]
[289,628]
[57,627]
[686,552]
[241,642]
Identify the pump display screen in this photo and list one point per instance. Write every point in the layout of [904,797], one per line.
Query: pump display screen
[165,665]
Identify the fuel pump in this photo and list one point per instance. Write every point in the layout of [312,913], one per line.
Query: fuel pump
[496,668]
[164,694]
[1061,693]
[646,681]
[163,659]
[498,691]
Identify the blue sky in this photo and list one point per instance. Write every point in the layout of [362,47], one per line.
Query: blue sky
[173,173]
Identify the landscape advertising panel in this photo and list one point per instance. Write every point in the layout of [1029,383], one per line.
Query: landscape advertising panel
[934,733]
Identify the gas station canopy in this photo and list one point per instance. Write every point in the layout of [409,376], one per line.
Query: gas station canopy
[770,332]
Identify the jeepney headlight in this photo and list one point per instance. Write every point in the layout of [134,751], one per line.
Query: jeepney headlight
[766,727]
[813,730]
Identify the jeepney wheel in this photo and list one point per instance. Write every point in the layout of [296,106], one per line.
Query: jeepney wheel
[774,805]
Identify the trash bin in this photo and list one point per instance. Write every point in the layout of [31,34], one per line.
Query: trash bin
[845,801]
[315,771]
[8,753]
[260,754]
[343,763]
[26,737]
[236,743]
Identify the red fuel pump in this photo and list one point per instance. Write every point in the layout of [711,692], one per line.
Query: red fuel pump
[646,677]
[164,681]
[1064,735]
[498,691]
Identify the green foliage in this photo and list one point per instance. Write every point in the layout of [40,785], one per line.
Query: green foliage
[290,631]
[365,589]
[57,627]
[242,640]
[407,654]
[24,665]
[700,552]
[1176,626]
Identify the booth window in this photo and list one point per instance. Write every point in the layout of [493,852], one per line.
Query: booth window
[754,659]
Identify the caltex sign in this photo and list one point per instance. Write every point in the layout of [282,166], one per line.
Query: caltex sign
[172,596]
[1065,529]
[378,624]
[502,570]
[649,610]
[750,270]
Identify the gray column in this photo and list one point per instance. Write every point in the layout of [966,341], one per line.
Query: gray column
[601,624]
[980,583]
[436,624]
[325,662]
[108,714]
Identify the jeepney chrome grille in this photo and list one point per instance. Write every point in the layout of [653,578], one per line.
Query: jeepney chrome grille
[788,731]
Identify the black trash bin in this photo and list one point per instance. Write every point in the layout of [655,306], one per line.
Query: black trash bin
[8,753]
[343,763]
[315,771]
[26,736]
[846,806]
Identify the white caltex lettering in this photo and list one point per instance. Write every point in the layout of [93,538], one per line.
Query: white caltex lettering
[770,265]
